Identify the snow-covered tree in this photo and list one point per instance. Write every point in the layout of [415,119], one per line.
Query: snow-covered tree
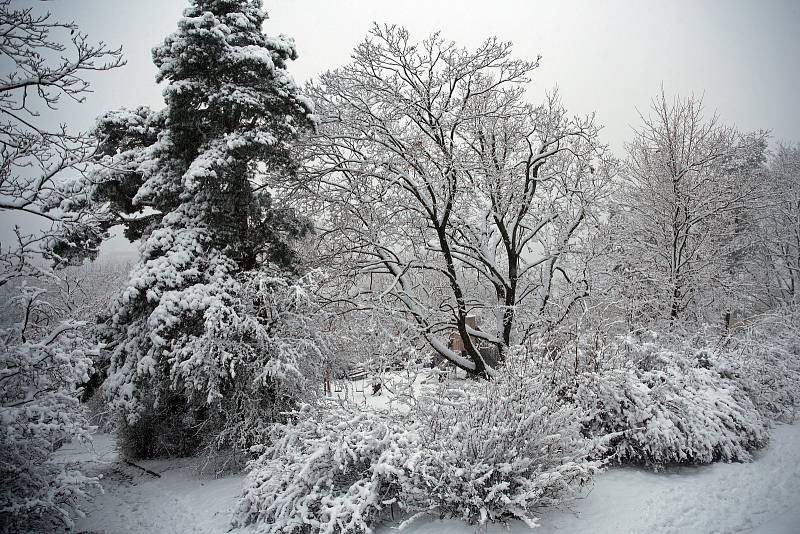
[780,230]
[45,62]
[44,358]
[191,181]
[445,194]
[684,235]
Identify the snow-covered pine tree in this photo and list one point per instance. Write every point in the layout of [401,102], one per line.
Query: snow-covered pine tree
[196,329]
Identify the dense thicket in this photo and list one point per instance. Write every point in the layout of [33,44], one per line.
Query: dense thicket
[495,451]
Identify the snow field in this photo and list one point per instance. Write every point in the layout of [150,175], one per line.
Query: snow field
[761,497]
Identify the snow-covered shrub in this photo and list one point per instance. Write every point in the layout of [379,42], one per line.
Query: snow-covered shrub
[764,359]
[85,293]
[42,364]
[488,452]
[678,413]
[498,450]
[276,350]
[332,471]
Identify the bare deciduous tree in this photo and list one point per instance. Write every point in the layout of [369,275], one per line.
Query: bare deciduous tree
[451,194]
[690,191]
[44,356]
[780,236]
[40,167]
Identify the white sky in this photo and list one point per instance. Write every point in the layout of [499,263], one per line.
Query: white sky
[605,56]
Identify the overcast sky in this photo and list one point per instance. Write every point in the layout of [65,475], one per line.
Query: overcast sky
[608,57]
[605,56]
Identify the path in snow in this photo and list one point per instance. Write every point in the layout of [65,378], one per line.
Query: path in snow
[762,497]
[135,502]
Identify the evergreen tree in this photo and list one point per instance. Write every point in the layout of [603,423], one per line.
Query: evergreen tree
[191,327]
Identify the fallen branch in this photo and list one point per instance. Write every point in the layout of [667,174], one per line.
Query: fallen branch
[149,472]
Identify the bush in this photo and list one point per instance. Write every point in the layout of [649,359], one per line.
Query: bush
[261,353]
[500,451]
[328,471]
[764,359]
[42,362]
[492,452]
[678,414]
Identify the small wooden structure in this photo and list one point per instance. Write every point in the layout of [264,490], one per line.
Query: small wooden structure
[456,343]
[487,350]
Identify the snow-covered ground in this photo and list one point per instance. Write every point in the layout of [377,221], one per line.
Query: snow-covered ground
[761,497]
[135,502]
